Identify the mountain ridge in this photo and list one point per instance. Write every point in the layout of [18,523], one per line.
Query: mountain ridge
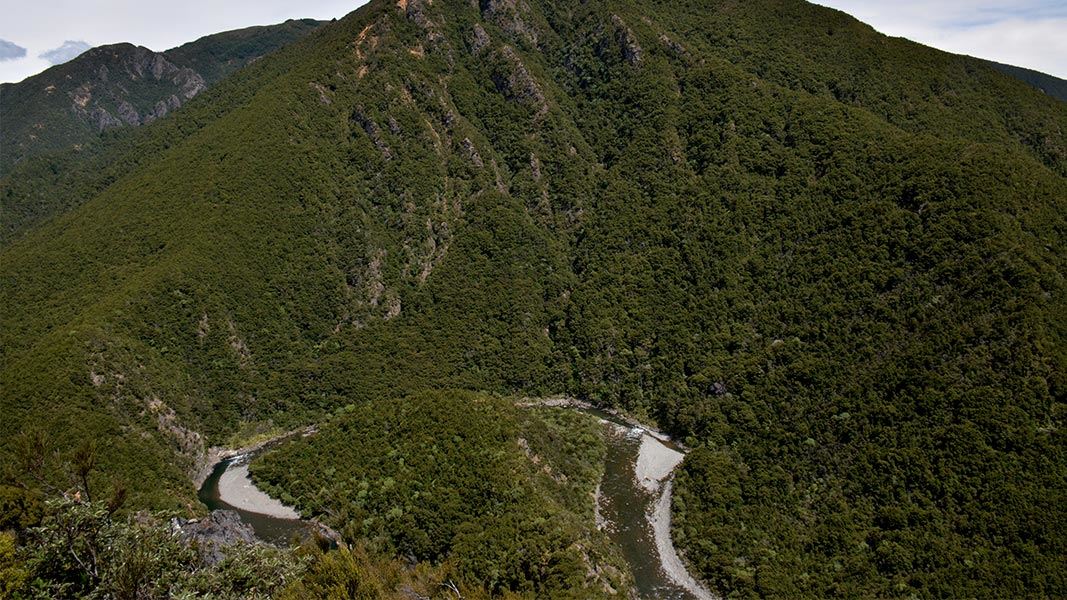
[121,85]
[851,306]
[1048,84]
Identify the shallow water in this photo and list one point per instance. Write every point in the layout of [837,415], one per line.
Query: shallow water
[625,505]
[270,529]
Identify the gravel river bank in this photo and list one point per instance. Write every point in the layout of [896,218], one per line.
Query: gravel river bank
[634,508]
[633,505]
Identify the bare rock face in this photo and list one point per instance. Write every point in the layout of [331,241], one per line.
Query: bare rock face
[373,131]
[519,85]
[160,66]
[332,538]
[162,108]
[188,81]
[69,105]
[508,15]
[211,536]
[191,83]
[418,12]
[472,153]
[479,39]
[128,113]
[627,42]
[105,100]
[678,49]
[101,119]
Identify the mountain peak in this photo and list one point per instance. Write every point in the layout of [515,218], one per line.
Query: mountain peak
[119,85]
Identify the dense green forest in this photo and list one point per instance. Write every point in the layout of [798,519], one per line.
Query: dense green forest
[217,56]
[506,498]
[72,161]
[474,496]
[830,261]
[1053,86]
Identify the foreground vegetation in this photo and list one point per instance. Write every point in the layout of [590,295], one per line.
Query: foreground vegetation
[82,550]
[477,498]
[829,261]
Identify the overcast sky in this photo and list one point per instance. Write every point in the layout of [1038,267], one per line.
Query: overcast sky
[1029,33]
[43,25]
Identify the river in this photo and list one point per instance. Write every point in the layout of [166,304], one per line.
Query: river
[233,472]
[633,507]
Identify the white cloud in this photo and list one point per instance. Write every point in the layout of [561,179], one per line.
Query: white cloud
[11,51]
[1040,45]
[68,51]
[45,24]
[1026,33]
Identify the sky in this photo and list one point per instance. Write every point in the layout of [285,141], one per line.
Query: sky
[1028,33]
[43,25]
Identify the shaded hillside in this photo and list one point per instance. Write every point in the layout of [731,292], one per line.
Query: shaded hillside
[1053,86]
[831,261]
[216,56]
[120,85]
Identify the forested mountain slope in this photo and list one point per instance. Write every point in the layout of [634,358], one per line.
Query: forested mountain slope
[218,55]
[1053,86]
[66,132]
[831,261]
[67,107]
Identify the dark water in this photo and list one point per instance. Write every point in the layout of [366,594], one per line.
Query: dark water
[624,504]
[267,528]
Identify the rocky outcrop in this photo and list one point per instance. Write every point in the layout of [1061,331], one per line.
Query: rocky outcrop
[162,108]
[186,442]
[101,119]
[479,39]
[518,84]
[146,63]
[675,48]
[124,85]
[472,153]
[128,113]
[375,285]
[535,167]
[328,534]
[214,534]
[417,12]
[508,16]
[238,344]
[107,100]
[372,130]
[392,307]
[626,42]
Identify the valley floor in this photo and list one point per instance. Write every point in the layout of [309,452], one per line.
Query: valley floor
[236,489]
